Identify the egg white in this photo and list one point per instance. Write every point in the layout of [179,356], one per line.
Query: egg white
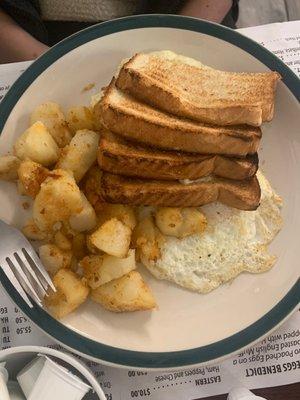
[234,241]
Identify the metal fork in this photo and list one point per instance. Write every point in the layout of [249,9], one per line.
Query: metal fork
[22,266]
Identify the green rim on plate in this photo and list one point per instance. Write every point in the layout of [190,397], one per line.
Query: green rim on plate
[109,354]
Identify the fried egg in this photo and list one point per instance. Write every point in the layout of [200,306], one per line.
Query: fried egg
[234,241]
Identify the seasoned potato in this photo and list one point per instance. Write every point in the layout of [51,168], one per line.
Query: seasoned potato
[144,231]
[79,247]
[92,189]
[194,221]
[91,248]
[80,117]
[37,144]
[86,219]
[53,258]
[113,237]
[71,293]
[67,230]
[9,168]
[58,198]
[147,239]
[169,220]
[31,175]
[53,118]
[99,270]
[32,232]
[62,241]
[128,293]
[180,222]
[122,212]
[91,266]
[81,153]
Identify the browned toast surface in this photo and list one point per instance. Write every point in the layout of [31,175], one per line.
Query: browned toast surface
[119,156]
[244,195]
[187,88]
[137,121]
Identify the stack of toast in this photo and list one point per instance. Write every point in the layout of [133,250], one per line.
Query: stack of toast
[181,134]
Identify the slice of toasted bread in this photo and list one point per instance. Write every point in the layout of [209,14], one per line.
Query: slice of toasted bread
[244,195]
[122,114]
[187,88]
[121,157]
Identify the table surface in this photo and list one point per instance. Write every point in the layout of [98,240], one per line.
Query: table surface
[286,392]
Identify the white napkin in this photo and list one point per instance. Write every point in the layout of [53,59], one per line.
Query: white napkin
[4,395]
[241,393]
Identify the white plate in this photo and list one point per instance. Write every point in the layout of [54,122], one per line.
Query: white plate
[188,328]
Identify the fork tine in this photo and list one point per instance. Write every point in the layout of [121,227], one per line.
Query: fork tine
[9,273]
[23,280]
[18,266]
[31,254]
[21,258]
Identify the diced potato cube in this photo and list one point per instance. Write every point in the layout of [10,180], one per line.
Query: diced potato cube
[180,222]
[58,198]
[80,117]
[37,144]
[169,220]
[9,168]
[81,153]
[144,231]
[71,293]
[53,118]
[79,247]
[122,212]
[128,293]
[31,175]
[91,266]
[62,241]
[86,219]
[53,258]
[99,270]
[32,232]
[194,221]
[92,189]
[148,240]
[66,228]
[113,237]
[91,248]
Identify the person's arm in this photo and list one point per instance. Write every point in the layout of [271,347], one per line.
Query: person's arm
[212,10]
[15,43]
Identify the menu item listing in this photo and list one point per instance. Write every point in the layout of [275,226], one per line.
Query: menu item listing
[282,39]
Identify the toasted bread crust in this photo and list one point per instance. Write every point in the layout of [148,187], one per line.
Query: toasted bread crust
[153,83]
[124,158]
[129,118]
[244,195]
